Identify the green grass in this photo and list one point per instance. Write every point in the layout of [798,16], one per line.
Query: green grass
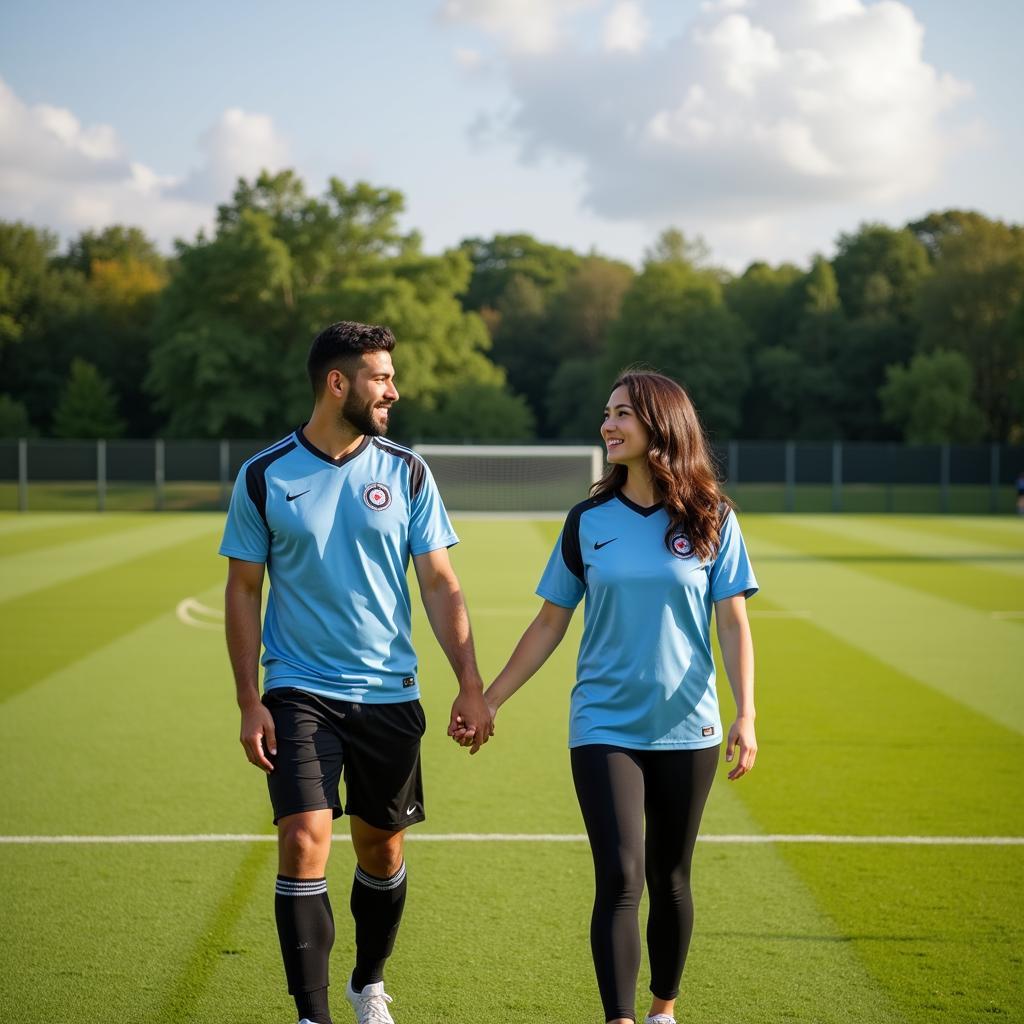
[890,700]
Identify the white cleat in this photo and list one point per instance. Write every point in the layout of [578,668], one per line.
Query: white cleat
[371,1005]
[657,1018]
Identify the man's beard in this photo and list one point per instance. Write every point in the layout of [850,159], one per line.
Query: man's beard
[360,415]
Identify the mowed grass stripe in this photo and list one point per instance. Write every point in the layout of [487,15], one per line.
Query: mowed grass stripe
[51,627]
[755,839]
[47,534]
[142,730]
[976,584]
[964,653]
[851,745]
[33,571]
[916,540]
[218,936]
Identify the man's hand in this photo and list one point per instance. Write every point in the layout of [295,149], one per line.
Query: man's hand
[471,723]
[258,736]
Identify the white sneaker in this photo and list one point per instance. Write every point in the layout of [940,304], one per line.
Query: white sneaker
[658,1018]
[371,1005]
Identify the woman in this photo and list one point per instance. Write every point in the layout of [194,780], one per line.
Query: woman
[653,548]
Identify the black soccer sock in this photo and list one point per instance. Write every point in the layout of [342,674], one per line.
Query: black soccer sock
[305,926]
[377,905]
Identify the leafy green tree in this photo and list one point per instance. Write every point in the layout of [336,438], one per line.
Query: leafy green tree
[931,399]
[674,319]
[235,323]
[39,303]
[879,270]
[87,406]
[114,328]
[581,315]
[577,392]
[114,244]
[496,261]
[475,411]
[968,305]
[764,297]
[14,420]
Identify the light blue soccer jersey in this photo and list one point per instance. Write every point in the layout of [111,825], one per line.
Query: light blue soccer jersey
[645,678]
[336,536]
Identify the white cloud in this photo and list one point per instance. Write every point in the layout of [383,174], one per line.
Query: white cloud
[238,145]
[626,27]
[524,26]
[59,173]
[759,105]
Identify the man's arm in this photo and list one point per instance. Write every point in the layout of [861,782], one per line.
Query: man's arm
[243,598]
[449,619]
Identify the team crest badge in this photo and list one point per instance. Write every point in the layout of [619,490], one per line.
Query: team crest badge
[377,497]
[681,546]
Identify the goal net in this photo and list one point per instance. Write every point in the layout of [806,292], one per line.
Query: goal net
[513,479]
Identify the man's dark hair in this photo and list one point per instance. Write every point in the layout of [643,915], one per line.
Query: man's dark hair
[341,346]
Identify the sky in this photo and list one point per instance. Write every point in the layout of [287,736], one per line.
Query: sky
[768,127]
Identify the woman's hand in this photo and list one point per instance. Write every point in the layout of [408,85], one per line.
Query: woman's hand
[741,735]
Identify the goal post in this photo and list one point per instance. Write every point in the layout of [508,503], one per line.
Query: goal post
[513,479]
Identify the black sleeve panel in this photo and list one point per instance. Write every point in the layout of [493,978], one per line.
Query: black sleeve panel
[256,478]
[417,470]
[572,554]
[417,477]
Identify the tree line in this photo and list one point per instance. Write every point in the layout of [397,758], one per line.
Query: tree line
[913,333]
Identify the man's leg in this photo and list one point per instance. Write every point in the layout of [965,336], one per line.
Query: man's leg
[305,924]
[378,898]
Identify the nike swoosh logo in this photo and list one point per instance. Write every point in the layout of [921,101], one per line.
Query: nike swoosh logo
[597,547]
[292,497]
[411,810]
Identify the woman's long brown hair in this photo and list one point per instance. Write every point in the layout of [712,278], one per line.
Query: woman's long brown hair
[678,458]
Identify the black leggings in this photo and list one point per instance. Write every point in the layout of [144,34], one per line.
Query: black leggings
[617,789]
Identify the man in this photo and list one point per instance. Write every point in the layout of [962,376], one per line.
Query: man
[333,512]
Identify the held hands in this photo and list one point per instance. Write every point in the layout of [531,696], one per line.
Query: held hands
[472,720]
[741,735]
[258,736]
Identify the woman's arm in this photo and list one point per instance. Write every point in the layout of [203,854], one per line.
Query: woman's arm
[542,636]
[738,655]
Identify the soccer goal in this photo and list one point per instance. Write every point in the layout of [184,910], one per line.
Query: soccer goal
[504,479]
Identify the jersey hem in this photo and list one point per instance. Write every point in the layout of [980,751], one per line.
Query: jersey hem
[560,601]
[747,591]
[334,693]
[612,741]
[450,542]
[245,556]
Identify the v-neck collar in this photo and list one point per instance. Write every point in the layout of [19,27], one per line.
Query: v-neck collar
[638,509]
[313,450]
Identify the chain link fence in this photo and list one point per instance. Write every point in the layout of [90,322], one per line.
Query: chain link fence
[761,476]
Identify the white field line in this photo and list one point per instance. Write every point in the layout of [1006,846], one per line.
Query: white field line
[201,616]
[525,837]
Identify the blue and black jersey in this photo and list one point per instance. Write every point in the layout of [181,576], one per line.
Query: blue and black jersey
[645,678]
[336,536]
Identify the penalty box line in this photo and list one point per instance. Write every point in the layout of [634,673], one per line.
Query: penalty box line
[520,837]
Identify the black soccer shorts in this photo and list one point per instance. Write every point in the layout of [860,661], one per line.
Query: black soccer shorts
[376,745]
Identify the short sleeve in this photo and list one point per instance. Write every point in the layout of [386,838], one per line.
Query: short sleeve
[246,534]
[429,525]
[563,582]
[731,571]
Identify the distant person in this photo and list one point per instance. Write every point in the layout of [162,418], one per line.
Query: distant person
[653,550]
[1020,493]
[333,513]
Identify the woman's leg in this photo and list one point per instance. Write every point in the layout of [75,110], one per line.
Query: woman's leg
[610,789]
[676,787]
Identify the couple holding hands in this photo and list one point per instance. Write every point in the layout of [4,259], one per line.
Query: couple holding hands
[334,512]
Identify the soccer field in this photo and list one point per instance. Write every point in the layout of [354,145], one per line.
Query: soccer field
[869,870]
